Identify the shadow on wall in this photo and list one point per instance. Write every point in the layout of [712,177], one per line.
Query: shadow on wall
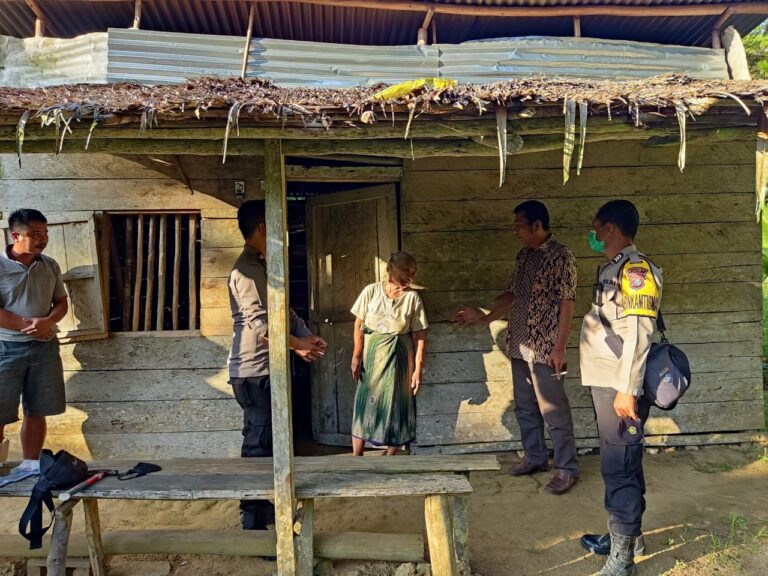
[146,396]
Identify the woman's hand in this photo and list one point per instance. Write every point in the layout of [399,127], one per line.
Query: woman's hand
[416,382]
[357,368]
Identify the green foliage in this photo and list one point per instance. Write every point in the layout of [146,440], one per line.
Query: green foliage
[756,45]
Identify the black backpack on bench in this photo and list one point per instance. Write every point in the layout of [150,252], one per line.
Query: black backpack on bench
[58,472]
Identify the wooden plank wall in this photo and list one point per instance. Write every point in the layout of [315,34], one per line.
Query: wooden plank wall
[699,226]
[146,395]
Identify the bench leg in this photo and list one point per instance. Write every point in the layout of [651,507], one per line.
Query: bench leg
[461,532]
[93,535]
[62,526]
[305,542]
[442,549]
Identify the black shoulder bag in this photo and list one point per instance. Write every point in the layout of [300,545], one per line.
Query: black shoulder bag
[57,472]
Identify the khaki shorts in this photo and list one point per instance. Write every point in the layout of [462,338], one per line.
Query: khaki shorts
[31,372]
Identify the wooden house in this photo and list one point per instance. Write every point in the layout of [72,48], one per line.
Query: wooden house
[142,214]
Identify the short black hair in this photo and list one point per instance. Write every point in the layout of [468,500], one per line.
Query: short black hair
[534,210]
[622,214]
[250,214]
[21,218]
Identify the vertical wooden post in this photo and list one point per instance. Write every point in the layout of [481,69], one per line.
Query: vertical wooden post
[128,276]
[461,532]
[39,18]
[139,273]
[577,26]
[439,521]
[161,273]
[136,14]
[305,532]
[93,535]
[248,38]
[62,526]
[192,272]
[421,36]
[279,359]
[176,274]
[150,274]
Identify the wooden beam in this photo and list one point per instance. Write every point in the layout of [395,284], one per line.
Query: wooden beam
[577,26]
[40,18]
[428,18]
[438,518]
[192,258]
[93,535]
[135,325]
[305,532]
[717,42]
[254,543]
[421,37]
[163,248]
[279,355]
[433,129]
[176,273]
[136,14]
[295,173]
[248,38]
[62,526]
[151,257]
[537,11]
[128,273]
[391,148]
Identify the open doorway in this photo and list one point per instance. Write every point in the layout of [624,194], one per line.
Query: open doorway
[341,236]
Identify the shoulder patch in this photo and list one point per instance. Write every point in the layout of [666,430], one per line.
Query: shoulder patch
[639,291]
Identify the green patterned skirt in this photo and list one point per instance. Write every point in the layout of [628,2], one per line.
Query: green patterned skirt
[384,408]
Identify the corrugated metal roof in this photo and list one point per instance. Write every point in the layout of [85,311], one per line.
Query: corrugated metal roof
[315,23]
[167,58]
[163,57]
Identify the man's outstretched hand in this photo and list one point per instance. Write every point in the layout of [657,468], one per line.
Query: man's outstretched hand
[310,348]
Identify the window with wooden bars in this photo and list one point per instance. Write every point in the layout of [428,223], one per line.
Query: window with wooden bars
[154,271]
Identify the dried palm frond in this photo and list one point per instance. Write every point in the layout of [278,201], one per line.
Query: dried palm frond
[20,133]
[569,106]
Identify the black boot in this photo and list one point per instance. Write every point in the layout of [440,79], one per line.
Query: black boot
[600,544]
[621,560]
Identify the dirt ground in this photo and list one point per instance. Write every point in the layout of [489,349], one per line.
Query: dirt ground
[707,515]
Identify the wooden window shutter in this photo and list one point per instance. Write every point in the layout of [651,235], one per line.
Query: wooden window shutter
[73,244]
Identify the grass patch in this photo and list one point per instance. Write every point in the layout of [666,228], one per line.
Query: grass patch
[740,533]
[714,467]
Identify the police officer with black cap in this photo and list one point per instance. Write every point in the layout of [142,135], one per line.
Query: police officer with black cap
[615,341]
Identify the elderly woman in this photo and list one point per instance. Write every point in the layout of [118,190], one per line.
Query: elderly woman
[390,338]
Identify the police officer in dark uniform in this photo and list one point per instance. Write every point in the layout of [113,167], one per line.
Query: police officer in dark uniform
[615,341]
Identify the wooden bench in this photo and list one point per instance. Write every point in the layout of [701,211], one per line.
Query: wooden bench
[441,480]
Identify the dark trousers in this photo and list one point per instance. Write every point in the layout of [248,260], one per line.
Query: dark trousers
[255,398]
[540,399]
[621,462]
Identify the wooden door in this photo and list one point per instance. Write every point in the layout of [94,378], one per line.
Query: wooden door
[350,236]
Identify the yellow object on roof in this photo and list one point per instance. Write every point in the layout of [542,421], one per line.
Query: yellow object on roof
[409,87]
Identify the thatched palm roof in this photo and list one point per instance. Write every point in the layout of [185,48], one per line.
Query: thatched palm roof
[216,97]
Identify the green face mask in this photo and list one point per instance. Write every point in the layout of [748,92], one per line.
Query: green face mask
[594,243]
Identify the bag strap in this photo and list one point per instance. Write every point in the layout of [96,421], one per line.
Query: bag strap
[32,516]
[661,327]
